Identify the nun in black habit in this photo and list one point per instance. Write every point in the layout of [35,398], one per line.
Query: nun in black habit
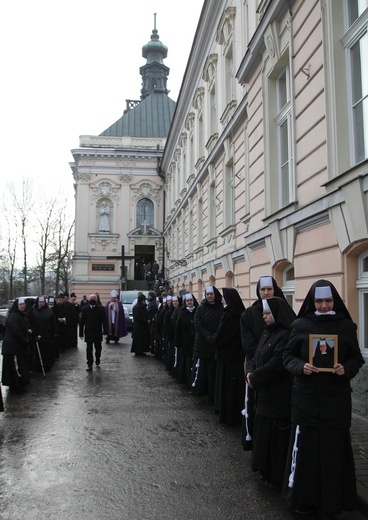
[272,385]
[230,385]
[206,320]
[320,473]
[184,338]
[16,348]
[44,326]
[251,326]
[142,321]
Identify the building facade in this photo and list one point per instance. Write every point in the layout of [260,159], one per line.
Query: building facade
[265,165]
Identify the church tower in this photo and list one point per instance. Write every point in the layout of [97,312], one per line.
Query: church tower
[118,189]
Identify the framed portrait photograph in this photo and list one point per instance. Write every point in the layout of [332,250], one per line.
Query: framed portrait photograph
[323,351]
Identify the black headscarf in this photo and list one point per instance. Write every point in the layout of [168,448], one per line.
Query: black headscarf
[15,307]
[282,313]
[233,300]
[308,306]
[276,289]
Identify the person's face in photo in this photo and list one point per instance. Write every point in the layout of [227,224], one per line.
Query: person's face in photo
[323,347]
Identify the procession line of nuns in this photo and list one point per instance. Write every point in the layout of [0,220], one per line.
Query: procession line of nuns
[254,367]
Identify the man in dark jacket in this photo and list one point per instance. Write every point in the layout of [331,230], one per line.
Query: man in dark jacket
[92,326]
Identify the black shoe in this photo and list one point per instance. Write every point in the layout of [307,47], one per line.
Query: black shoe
[89,369]
[98,363]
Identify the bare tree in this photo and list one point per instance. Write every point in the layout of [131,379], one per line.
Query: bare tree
[46,240]
[23,202]
[63,251]
[9,246]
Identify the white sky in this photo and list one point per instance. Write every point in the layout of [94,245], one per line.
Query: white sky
[67,68]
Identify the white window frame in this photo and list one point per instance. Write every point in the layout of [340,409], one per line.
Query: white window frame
[355,33]
[288,286]
[362,286]
[283,116]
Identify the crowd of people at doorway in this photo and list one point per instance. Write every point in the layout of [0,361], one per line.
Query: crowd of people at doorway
[295,412]
[257,368]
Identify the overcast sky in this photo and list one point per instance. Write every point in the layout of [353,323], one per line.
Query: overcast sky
[67,68]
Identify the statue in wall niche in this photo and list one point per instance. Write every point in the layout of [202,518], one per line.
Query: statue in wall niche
[104,218]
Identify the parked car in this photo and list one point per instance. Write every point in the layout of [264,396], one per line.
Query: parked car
[127,298]
[3,316]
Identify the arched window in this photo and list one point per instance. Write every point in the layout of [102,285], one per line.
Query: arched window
[145,214]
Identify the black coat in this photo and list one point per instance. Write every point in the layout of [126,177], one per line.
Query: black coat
[43,323]
[206,321]
[168,329]
[141,333]
[227,339]
[252,325]
[160,318]
[271,381]
[93,323]
[16,338]
[322,400]
[184,331]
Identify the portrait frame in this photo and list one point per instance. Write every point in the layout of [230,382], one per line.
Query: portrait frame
[332,340]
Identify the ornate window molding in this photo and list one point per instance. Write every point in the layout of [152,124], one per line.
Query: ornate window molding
[146,190]
[225,31]
[210,68]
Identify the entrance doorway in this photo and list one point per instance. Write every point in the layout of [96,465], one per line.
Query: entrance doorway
[144,258]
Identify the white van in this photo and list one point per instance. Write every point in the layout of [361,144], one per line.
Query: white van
[127,298]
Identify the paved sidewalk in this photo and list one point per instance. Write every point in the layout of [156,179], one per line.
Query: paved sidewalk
[359,438]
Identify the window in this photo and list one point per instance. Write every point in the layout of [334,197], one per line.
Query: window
[198,226]
[211,232]
[362,286]
[356,45]
[288,286]
[229,195]
[145,214]
[279,135]
[229,77]
[213,111]
[359,79]
[355,9]
[283,123]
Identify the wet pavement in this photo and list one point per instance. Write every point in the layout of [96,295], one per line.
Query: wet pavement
[124,442]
